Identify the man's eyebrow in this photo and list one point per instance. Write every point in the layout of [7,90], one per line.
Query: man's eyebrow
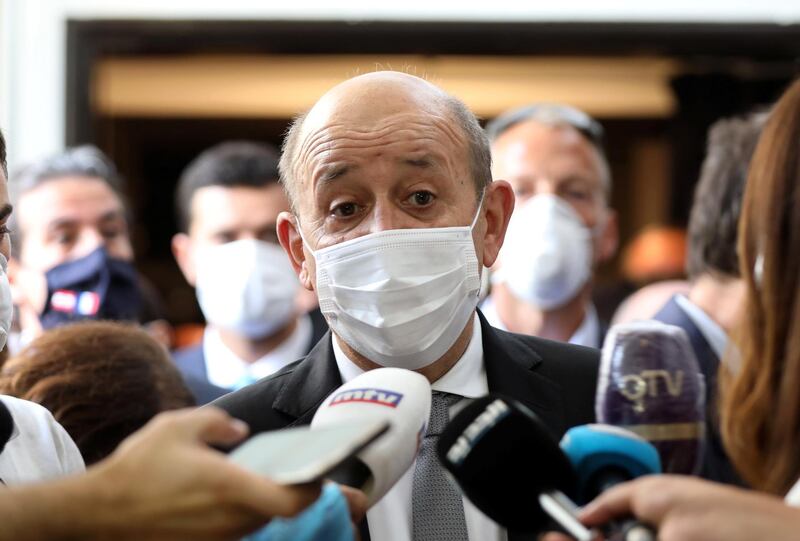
[422,161]
[5,212]
[333,172]
[112,215]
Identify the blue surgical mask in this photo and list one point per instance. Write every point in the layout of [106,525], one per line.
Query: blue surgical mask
[327,519]
[96,286]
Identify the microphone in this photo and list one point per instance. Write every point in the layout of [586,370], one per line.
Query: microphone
[604,456]
[6,425]
[399,396]
[650,384]
[510,466]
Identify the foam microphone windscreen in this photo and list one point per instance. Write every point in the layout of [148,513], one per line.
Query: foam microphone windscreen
[604,455]
[399,396]
[6,425]
[503,457]
[650,383]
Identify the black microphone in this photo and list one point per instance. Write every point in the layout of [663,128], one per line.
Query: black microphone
[6,425]
[510,466]
[650,383]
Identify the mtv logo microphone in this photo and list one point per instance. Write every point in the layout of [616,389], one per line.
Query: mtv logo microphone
[399,396]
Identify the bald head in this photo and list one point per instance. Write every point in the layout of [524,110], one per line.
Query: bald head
[365,105]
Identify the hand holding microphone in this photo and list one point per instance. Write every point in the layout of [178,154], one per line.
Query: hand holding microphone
[385,397]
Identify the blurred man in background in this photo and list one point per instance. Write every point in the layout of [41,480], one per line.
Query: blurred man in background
[228,201]
[561,229]
[72,256]
[713,305]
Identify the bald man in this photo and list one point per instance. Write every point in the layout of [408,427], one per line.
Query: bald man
[394,214]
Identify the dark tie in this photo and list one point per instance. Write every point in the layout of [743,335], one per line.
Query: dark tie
[436,504]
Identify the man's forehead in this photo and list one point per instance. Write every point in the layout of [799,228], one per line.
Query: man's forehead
[69,197]
[373,97]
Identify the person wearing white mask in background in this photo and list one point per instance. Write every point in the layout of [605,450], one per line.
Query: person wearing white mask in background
[562,226]
[228,201]
[394,214]
[33,446]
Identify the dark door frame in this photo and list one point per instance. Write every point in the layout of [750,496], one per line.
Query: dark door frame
[89,40]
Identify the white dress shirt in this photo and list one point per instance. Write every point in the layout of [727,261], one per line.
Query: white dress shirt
[390,519]
[587,334]
[225,369]
[39,448]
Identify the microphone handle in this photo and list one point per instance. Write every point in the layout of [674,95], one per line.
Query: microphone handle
[631,530]
[625,529]
[565,513]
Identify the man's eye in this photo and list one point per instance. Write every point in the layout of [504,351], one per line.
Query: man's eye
[345,210]
[578,195]
[422,198]
[65,239]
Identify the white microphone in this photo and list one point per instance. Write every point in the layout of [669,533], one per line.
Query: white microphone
[399,396]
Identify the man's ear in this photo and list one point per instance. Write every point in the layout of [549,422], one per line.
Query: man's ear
[182,250]
[292,244]
[498,204]
[608,241]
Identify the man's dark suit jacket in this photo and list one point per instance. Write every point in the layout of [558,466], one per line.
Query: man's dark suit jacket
[716,465]
[556,380]
[191,362]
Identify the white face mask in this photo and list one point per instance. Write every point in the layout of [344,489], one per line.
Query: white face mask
[402,297]
[247,286]
[6,304]
[547,255]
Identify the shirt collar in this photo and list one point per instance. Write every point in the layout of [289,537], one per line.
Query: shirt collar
[711,331]
[225,369]
[466,378]
[587,333]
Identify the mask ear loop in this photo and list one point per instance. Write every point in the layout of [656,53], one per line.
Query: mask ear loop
[303,237]
[478,212]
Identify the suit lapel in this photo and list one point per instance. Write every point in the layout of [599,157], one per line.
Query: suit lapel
[310,383]
[511,369]
[316,377]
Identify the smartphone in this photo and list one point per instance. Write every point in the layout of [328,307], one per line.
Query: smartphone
[301,455]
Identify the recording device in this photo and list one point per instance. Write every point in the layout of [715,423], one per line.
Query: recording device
[604,456]
[650,384]
[301,455]
[6,425]
[499,451]
[394,395]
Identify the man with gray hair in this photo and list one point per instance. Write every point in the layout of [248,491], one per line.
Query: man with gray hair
[562,227]
[394,215]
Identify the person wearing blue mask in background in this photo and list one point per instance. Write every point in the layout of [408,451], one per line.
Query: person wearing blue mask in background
[228,201]
[72,257]
[562,226]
